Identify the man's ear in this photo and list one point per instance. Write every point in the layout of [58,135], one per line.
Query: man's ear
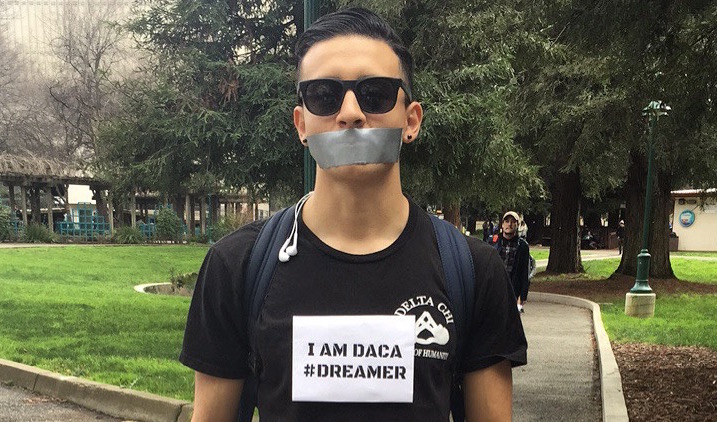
[300,124]
[414,117]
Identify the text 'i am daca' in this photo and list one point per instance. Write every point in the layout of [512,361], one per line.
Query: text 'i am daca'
[356,350]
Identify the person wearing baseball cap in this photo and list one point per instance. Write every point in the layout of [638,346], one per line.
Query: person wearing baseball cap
[515,253]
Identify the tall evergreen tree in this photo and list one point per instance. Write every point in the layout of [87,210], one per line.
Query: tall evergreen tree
[213,112]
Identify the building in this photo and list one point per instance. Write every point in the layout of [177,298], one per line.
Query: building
[694,219]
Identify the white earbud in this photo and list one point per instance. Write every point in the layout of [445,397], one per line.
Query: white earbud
[287,251]
[283,256]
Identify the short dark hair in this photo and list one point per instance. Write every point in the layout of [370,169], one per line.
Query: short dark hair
[355,21]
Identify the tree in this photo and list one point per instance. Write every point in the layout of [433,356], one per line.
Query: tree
[569,117]
[89,53]
[674,57]
[213,112]
[464,76]
[12,69]
[582,88]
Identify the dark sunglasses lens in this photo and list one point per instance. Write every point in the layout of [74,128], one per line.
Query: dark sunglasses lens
[376,95]
[323,97]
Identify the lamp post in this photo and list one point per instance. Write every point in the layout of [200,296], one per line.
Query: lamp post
[311,13]
[640,300]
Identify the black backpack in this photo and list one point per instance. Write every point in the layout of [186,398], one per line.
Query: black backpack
[460,285]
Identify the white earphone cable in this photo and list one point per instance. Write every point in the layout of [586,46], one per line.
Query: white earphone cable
[287,251]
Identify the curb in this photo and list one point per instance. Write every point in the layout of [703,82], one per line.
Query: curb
[614,408]
[108,399]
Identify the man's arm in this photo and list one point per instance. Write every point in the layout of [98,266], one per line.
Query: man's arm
[489,393]
[215,399]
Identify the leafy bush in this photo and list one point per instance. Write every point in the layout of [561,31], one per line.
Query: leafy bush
[128,236]
[179,280]
[200,238]
[228,224]
[6,232]
[38,233]
[169,225]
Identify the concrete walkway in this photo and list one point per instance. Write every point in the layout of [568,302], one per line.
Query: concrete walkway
[561,381]
[20,405]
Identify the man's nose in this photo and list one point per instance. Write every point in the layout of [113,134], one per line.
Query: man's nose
[350,115]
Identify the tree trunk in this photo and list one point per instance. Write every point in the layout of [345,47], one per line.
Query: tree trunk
[565,224]
[100,203]
[216,212]
[471,224]
[452,213]
[658,239]
[179,206]
[192,214]
[11,196]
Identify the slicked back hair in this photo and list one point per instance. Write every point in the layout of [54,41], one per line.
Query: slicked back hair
[355,21]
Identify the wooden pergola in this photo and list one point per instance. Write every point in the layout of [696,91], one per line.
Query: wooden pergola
[35,174]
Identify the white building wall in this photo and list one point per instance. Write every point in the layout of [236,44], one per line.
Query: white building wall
[702,234]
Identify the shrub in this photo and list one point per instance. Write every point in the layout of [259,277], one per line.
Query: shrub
[179,280]
[200,238]
[6,232]
[38,233]
[128,236]
[228,224]
[169,225]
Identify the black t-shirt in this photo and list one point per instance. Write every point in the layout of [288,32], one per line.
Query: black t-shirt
[404,279]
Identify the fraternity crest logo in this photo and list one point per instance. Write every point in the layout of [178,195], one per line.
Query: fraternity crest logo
[432,321]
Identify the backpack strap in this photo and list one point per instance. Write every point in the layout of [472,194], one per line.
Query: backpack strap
[257,279]
[459,272]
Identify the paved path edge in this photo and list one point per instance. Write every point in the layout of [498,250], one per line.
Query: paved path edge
[108,399]
[614,408]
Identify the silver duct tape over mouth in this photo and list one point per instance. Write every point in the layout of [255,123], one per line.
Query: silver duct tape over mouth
[355,146]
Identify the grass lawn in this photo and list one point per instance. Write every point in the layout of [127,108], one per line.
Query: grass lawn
[74,311]
[680,320]
[685,269]
[686,253]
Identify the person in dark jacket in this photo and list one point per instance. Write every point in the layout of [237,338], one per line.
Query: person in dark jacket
[515,253]
[620,232]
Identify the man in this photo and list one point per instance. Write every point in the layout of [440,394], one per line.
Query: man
[620,232]
[515,253]
[362,259]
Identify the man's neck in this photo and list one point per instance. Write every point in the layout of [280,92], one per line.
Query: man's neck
[507,236]
[357,218]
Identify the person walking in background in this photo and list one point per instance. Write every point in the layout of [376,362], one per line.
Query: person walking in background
[523,229]
[487,229]
[620,232]
[515,253]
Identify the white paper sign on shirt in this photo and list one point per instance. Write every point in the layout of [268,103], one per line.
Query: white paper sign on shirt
[356,358]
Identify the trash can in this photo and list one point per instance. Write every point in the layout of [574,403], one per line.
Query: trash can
[674,243]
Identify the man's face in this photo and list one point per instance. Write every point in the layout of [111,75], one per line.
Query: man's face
[351,58]
[509,226]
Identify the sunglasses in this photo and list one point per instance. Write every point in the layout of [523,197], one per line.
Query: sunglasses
[375,94]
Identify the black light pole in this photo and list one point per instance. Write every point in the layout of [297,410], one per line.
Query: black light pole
[640,300]
[311,13]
